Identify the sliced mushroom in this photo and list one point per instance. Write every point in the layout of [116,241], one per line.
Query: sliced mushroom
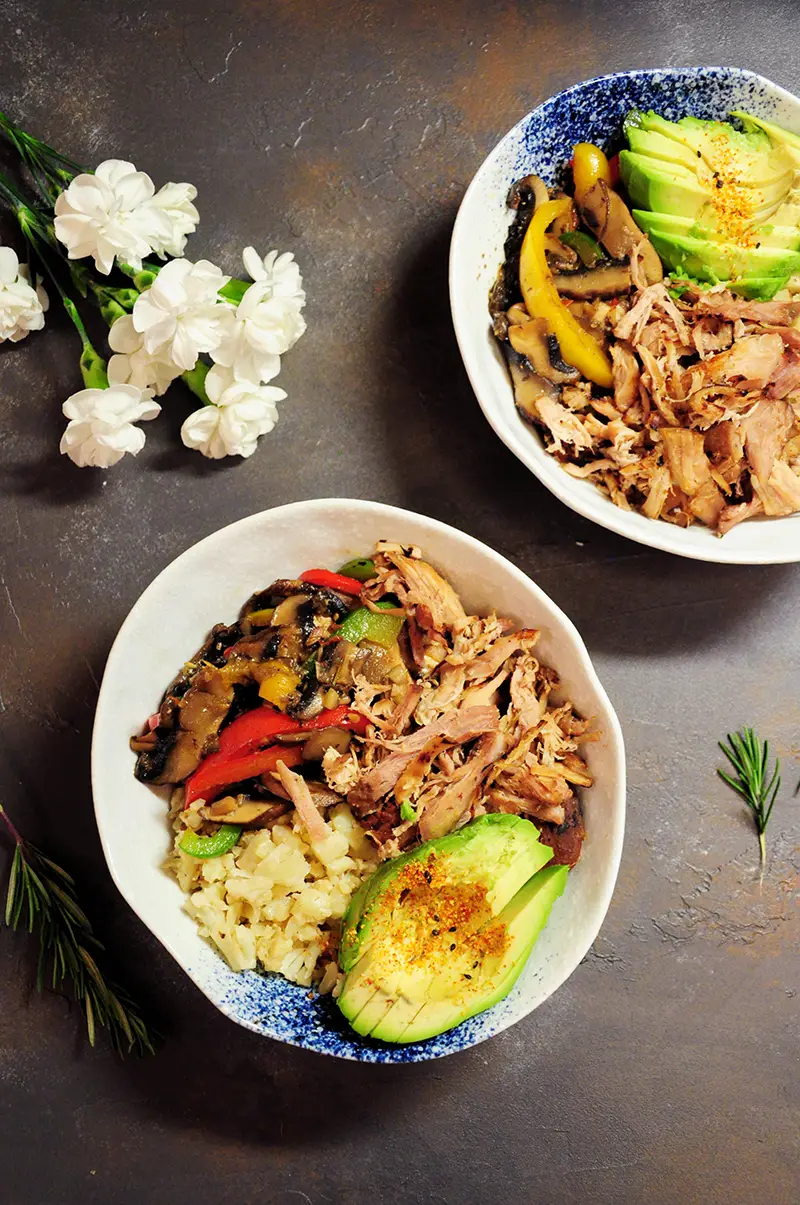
[144,744]
[308,705]
[534,341]
[289,738]
[286,612]
[518,315]
[529,387]
[522,190]
[609,280]
[241,810]
[565,221]
[559,256]
[607,216]
[326,738]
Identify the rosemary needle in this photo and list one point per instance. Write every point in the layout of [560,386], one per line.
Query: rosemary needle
[42,898]
[750,759]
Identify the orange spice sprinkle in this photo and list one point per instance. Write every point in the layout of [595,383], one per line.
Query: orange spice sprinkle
[425,922]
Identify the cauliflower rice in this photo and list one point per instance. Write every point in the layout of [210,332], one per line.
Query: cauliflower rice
[275,900]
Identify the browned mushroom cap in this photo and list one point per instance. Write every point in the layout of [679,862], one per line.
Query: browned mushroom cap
[558,254]
[529,387]
[521,189]
[325,738]
[238,809]
[607,215]
[533,340]
[609,280]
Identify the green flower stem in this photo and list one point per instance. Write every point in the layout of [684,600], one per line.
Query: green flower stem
[143,277]
[113,303]
[196,380]
[52,172]
[93,366]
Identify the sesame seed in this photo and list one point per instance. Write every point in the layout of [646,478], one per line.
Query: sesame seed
[452,929]
[453,946]
[434,932]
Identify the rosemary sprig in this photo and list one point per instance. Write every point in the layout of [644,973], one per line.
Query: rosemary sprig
[750,759]
[42,898]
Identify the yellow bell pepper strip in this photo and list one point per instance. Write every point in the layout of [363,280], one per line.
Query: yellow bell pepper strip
[278,685]
[362,568]
[578,347]
[589,165]
[262,618]
[223,839]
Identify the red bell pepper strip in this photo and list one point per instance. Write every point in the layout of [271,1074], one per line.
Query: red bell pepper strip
[331,581]
[257,727]
[613,167]
[254,728]
[219,770]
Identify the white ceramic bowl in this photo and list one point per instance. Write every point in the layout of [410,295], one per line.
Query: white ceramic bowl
[208,584]
[542,142]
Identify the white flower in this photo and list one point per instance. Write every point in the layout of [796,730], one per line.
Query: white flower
[107,215]
[117,213]
[174,202]
[101,430]
[180,315]
[231,427]
[21,306]
[133,364]
[263,328]
[279,273]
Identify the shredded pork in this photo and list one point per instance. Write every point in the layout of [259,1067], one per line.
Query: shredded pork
[476,732]
[706,401]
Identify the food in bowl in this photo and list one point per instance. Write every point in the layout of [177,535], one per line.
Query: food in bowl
[677,395]
[347,726]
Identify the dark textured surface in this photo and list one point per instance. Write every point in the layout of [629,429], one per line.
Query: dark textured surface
[665,1071]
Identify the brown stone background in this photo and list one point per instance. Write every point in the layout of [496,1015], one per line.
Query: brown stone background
[665,1071]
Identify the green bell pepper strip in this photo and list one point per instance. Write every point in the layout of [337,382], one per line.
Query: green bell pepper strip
[364,624]
[362,568]
[587,248]
[223,839]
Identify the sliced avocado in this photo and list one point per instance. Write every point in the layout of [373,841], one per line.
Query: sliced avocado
[657,146]
[652,184]
[776,134]
[429,940]
[453,995]
[751,155]
[672,188]
[717,261]
[757,288]
[718,202]
[787,237]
